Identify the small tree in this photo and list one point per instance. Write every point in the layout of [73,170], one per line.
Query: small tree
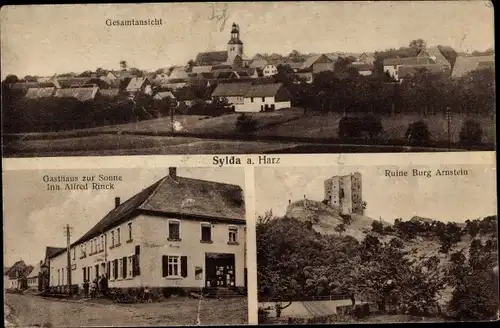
[471,133]
[418,134]
[377,227]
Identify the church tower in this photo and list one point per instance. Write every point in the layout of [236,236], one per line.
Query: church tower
[234,46]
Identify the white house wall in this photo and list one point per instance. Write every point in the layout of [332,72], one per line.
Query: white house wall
[392,70]
[255,106]
[157,245]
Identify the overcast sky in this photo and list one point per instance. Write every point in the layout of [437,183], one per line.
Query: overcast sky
[442,198]
[43,40]
[34,218]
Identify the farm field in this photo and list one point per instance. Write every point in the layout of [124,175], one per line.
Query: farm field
[326,126]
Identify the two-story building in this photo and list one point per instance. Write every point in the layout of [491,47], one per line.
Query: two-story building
[177,233]
[265,97]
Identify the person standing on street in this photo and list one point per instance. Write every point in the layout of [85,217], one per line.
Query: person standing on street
[86,288]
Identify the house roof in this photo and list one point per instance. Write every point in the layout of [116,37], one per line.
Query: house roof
[183,196]
[258,63]
[18,267]
[408,61]
[294,65]
[201,69]
[110,93]
[35,93]
[224,74]
[35,271]
[28,85]
[122,74]
[263,90]
[178,73]
[211,57]
[70,82]
[81,94]
[408,70]
[464,65]
[231,89]
[136,83]
[311,60]
[50,251]
[435,54]
[165,94]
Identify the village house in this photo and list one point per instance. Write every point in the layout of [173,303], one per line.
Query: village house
[435,54]
[233,92]
[33,279]
[164,95]
[366,58]
[15,276]
[391,66]
[408,71]
[362,68]
[270,70]
[265,97]
[86,93]
[319,63]
[179,233]
[139,85]
[258,63]
[37,93]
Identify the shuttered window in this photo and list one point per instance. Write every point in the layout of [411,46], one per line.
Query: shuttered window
[174,266]
[124,267]
[108,270]
[115,267]
[136,266]
[184,272]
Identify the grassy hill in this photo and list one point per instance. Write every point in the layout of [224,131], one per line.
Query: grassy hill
[324,218]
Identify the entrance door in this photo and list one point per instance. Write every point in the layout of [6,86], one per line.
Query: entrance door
[97,270]
[220,270]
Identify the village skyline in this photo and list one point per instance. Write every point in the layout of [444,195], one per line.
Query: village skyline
[41,215]
[438,197]
[358,27]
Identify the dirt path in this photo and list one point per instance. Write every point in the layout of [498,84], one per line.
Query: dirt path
[37,311]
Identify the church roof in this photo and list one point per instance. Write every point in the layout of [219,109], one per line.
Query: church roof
[211,57]
[235,41]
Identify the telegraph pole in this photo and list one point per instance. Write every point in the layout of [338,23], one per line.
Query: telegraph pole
[67,231]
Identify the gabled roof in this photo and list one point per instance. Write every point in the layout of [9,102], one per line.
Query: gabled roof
[263,90]
[176,196]
[258,63]
[26,272]
[137,83]
[435,54]
[183,94]
[164,95]
[211,57]
[178,73]
[28,85]
[35,93]
[408,61]
[313,59]
[15,270]
[294,65]
[201,69]
[231,89]
[35,271]
[464,65]
[81,94]
[224,74]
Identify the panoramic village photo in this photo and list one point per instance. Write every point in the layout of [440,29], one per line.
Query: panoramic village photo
[361,244]
[236,78]
[125,247]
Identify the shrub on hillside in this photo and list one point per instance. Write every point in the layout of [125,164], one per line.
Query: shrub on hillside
[377,227]
[418,134]
[245,124]
[471,133]
[357,127]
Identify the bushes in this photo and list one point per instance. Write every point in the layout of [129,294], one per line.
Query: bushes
[471,133]
[418,134]
[245,124]
[357,127]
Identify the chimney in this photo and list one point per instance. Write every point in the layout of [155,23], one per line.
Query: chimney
[117,202]
[172,172]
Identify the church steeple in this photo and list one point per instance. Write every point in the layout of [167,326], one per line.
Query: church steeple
[235,45]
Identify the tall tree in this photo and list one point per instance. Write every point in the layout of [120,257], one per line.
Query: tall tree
[123,65]
[417,45]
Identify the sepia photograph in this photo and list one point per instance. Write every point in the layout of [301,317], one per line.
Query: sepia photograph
[239,78]
[377,244]
[124,247]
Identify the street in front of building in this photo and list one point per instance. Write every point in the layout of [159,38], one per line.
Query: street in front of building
[32,310]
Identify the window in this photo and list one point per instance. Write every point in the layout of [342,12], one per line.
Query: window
[58,277]
[91,247]
[112,239]
[130,267]
[233,235]
[74,253]
[62,276]
[263,99]
[174,232]
[130,231]
[117,236]
[251,99]
[120,268]
[206,232]
[82,251]
[102,242]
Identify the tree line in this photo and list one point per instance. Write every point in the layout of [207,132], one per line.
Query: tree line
[293,261]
